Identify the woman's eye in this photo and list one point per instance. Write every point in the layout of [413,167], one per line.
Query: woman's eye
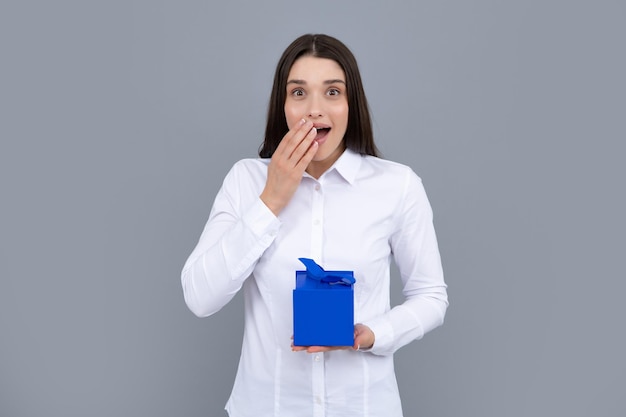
[297,92]
[333,92]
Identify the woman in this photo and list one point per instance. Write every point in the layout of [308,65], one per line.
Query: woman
[319,191]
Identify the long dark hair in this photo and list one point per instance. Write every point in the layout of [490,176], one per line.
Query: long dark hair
[359,135]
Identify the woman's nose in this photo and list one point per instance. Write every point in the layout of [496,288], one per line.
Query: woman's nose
[314,106]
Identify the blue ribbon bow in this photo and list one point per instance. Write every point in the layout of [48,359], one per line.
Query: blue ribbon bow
[316,272]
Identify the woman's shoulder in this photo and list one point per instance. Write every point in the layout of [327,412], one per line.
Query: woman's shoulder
[388,168]
[251,163]
[250,166]
[247,170]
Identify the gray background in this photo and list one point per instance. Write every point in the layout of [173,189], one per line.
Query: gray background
[119,120]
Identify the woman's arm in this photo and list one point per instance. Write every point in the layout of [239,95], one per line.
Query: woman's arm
[241,225]
[416,253]
[236,235]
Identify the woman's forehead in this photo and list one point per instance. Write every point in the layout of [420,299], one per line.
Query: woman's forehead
[315,69]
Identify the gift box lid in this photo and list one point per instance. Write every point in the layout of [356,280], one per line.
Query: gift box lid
[315,277]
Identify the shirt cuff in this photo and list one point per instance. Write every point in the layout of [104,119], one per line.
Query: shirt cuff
[258,229]
[383,335]
[260,220]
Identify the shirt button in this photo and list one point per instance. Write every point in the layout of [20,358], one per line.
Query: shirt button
[316,358]
[318,400]
[316,222]
[317,187]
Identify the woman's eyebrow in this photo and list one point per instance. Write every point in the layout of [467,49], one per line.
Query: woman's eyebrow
[335,81]
[302,82]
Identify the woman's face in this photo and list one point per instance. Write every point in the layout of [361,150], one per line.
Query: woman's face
[316,91]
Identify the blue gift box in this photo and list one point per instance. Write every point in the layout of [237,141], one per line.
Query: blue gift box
[323,307]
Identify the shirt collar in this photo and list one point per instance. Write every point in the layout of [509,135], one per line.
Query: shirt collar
[348,165]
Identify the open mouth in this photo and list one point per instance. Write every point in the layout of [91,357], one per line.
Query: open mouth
[322,132]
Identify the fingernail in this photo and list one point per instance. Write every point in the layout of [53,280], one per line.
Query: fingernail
[301,122]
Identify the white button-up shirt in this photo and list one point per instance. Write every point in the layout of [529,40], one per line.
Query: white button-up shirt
[357,216]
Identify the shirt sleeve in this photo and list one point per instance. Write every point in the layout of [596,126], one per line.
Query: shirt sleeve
[237,233]
[416,253]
